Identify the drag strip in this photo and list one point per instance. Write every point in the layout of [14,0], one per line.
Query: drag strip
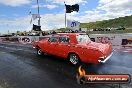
[20,67]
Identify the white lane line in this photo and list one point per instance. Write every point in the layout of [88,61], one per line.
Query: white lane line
[123,50]
[127,51]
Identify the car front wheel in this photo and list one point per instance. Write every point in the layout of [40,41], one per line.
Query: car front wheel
[74,59]
[39,52]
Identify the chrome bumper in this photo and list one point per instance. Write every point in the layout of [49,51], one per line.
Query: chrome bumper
[103,61]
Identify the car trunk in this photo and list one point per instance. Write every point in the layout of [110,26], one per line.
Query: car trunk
[106,49]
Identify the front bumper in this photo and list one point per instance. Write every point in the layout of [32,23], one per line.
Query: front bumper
[103,61]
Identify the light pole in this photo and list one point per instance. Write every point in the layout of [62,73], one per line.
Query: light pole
[38,13]
[65,15]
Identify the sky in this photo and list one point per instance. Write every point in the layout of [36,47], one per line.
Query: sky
[14,14]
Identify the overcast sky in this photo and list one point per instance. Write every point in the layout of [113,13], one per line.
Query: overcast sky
[14,14]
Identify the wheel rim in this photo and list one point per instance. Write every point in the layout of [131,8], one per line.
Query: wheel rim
[74,59]
[39,52]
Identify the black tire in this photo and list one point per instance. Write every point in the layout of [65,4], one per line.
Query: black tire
[74,59]
[39,52]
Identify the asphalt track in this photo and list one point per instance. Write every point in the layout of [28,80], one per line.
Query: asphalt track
[20,67]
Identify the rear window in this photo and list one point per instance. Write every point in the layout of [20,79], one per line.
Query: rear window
[83,39]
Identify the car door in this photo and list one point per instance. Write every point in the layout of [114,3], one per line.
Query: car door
[63,46]
[51,45]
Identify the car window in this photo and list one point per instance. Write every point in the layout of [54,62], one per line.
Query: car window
[64,39]
[53,39]
[83,39]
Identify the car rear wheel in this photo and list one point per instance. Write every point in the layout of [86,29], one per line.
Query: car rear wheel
[74,59]
[39,52]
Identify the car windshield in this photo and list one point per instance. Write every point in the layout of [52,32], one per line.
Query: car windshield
[83,39]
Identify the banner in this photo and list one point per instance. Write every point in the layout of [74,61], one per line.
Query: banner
[127,42]
[73,25]
[35,16]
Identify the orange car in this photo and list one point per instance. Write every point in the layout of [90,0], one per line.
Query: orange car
[76,47]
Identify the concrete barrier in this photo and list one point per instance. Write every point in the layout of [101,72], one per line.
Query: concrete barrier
[117,40]
[22,39]
[30,39]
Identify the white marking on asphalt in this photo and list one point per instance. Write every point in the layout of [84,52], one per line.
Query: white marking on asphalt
[127,51]
[19,49]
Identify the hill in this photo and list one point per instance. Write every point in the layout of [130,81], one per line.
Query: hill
[121,21]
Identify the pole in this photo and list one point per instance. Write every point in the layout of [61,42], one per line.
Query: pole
[65,20]
[8,34]
[65,16]
[38,13]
